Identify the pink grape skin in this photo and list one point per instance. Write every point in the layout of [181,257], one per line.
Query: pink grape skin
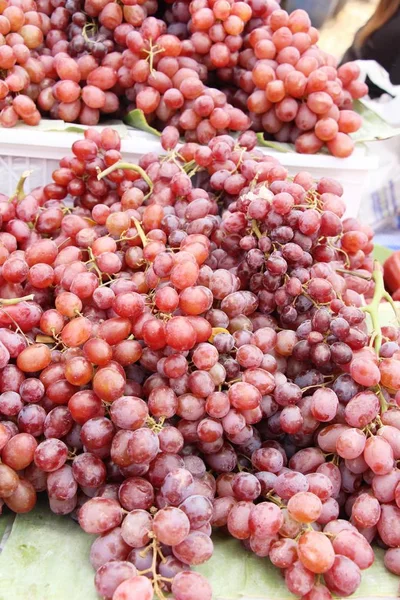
[134,588]
[354,545]
[99,515]
[378,454]
[298,579]
[238,522]
[136,493]
[392,560]
[366,510]
[330,511]
[351,443]
[195,549]
[362,409]
[136,527]
[289,483]
[110,575]
[108,547]
[316,552]
[320,485]
[175,485]
[171,526]
[318,592]
[389,525]
[283,553]
[344,576]
[198,509]
[188,585]
[265,519]
[51,455]
[391,435]
[305,507]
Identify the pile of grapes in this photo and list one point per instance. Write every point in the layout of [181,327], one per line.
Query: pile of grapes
[184,347]
[206,67]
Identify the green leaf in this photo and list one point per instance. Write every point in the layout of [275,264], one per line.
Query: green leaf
[381,253]
[373,127]
[280,147]
[46,557]
[235,573]
[69,129]
[54,125]
[136,119]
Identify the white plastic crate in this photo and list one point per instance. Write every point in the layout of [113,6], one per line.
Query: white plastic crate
[25,148]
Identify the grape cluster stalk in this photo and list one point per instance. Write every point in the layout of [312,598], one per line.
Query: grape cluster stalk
[184,347]
[206,67]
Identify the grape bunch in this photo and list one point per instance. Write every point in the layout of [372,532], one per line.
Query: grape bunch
[205,67]
[273,70]
[184,347]
[170,88]
[21,30]
[293,90]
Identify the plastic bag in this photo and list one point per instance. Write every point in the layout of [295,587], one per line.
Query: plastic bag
[388,105]
[380,207]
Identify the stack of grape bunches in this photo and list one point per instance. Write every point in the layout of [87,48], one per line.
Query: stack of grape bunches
[184,349]
[86,60]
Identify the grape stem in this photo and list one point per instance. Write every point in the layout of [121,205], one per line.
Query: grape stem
[187,167]
[44,339]
[11,301]
[256,229]
[19,193]
[154,425]
[382,401]
[275,499]
[93,263]
[64,242]
[373,308]
[128,167]
[319,385]
[85,29]
[151,53]
[141,232]
[354,274]
[156,577]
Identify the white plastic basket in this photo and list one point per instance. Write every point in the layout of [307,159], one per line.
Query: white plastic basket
[25,148]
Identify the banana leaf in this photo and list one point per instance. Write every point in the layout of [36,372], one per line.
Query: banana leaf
[46,557]
[374,128]
[278,146]
[135,118]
